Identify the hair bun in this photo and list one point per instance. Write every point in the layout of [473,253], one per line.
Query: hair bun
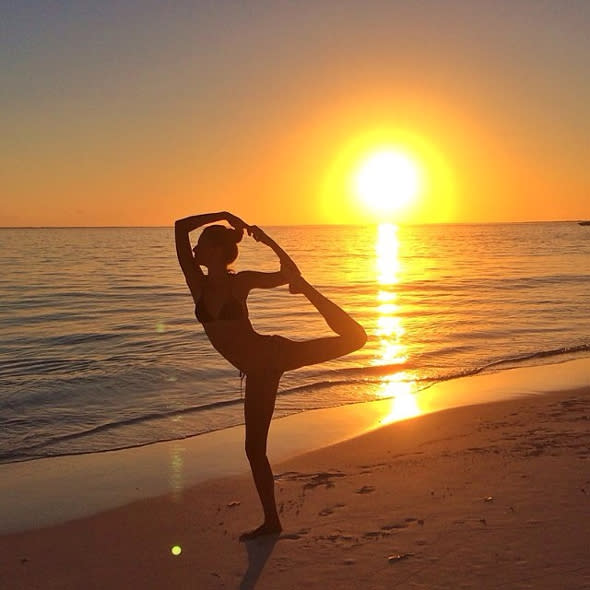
[238,234]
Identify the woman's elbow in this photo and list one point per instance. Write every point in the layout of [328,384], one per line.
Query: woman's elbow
[180,227]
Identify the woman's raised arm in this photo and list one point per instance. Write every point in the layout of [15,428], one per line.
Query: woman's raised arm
[188,224]
[267,280]
[285,260]
[182,227]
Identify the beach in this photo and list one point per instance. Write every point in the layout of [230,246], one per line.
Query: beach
[491,495]
[363,224]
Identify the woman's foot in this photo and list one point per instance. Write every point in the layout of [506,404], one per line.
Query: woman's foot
[263,530]
[297,284]
[293,276]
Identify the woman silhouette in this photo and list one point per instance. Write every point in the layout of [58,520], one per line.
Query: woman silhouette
[220,306]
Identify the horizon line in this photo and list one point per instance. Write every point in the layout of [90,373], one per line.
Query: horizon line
[296,224]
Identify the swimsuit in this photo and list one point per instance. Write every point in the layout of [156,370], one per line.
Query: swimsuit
[232,309]
[262,352]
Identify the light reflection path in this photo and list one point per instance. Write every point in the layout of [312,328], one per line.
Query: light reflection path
[390,329]
[176,469]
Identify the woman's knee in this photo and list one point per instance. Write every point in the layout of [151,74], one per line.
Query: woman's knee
[357,337]
[255,450]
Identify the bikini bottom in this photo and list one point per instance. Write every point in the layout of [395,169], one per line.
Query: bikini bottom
[266,356]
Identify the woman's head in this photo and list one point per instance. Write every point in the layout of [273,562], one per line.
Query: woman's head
[217,244]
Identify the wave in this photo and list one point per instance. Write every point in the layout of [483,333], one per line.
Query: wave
[527,356]
[340,378]
[27,366]
[390,369]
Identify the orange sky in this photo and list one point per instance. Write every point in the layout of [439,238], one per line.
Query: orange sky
[115,116]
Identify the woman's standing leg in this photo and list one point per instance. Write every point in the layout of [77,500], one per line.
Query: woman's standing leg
[259,403]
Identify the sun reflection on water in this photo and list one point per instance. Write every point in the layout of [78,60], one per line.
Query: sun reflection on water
[387,250]
[390,328]
[176,470]
[401,389]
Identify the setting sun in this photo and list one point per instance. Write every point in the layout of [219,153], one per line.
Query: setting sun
[387,180]
[388,174]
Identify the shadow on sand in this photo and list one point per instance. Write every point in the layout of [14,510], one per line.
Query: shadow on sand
[259,551]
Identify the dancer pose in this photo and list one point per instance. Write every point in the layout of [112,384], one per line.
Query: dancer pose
[220,305]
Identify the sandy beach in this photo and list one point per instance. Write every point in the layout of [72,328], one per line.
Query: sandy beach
[494,495]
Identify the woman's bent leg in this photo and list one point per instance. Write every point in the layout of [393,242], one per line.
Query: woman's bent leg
[338,320]
[351,335]
[259,403]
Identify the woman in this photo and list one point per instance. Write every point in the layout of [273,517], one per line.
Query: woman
[220,305]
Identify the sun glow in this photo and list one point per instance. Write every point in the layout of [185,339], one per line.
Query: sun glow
[387,180]
[387,174]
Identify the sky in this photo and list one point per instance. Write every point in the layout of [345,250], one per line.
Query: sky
[141,112]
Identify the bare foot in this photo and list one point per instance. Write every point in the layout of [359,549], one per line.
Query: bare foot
[262,530]
[293,276]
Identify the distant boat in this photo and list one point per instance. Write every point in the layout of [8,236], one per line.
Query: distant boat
[583,222]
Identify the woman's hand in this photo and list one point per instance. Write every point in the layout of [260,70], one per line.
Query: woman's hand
[237,223]
[292,275]
[259,235]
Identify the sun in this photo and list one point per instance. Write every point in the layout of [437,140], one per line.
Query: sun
[387,180]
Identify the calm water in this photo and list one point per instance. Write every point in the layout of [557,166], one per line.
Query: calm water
[100,348]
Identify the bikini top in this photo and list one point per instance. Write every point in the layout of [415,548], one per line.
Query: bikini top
[232,309]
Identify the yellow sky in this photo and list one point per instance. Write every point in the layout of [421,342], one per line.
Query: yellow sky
[116,118]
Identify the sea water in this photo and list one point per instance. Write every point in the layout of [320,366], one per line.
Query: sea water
[100,348]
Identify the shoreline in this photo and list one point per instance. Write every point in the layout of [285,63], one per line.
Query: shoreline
[486,496]
[37,493]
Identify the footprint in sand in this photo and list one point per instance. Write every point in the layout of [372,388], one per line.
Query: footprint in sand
[338,539]
[396,525]
[399,557]
[294,536]
[330,509]
[311,480]
[402,525]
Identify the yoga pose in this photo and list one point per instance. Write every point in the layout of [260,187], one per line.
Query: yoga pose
[220,306]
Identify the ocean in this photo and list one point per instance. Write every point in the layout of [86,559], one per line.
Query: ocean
[100,348]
